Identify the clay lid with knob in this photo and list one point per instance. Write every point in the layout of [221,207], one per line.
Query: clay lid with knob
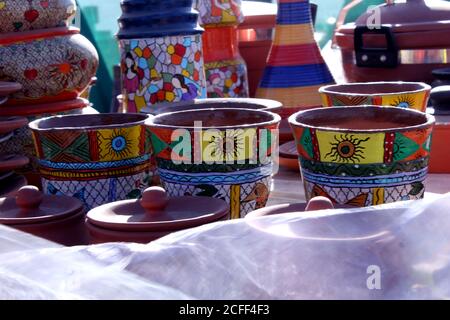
[156,212]
[29,205]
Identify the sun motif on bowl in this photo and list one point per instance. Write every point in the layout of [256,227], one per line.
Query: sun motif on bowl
[118,144]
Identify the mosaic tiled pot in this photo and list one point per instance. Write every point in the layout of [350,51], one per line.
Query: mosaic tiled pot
[413,95]
[51,64]
[97,158]
[363,156]
[225,69]
[35,14]
[295,67]
[224,154]
[161,53]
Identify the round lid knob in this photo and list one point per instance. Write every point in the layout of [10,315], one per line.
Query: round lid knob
[319,203]
[29,198]
[154,200]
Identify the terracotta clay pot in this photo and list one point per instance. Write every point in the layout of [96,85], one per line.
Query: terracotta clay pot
[410,41]
[55,218]
[218,103]
[152,217]
[412,95]
[363,156]
[227,157]
[18,16]
[51,64]
[97,158]
[161,53]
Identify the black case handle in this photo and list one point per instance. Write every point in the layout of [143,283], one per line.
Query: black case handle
[375,57]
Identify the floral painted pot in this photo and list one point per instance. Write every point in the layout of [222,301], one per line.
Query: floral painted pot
[225,69]
[97,158]
[412,95]
[19,16]
[363,156]
[51,64]
[161,53]
[221,153]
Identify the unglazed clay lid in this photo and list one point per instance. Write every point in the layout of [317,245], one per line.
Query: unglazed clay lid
[12,161]
[7,88]
[8,124]
[155,211]
[29,205]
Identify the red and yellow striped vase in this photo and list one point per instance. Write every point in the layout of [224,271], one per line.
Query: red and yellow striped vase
[295,67]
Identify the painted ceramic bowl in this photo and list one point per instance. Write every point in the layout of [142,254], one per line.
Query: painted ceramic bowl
[363,156]
[97,158]
[221,153]
[19,16]
[408,95]
[52,64]
[218,103]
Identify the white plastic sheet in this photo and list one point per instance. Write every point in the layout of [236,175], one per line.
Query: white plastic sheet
[315,255]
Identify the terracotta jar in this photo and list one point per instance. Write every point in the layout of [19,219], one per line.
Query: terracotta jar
[410,41]
[295,68]
[56,218]
[51,64]
[97,158]
[161,53]
[363,156]
[18,16]
[221,153]
[413,95]
[152,217]
[226,71]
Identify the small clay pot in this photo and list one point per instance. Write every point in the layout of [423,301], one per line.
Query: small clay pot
[51,64]
[98,158]
[442,77]
[218,103]
[363,156]
[56,218]
[229,157]
[440,98]
[152,217]
[19,16]
[408,95]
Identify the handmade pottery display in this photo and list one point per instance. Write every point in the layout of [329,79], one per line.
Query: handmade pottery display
[244,103]
[51,64]
[55,218]
[410,41]
[35,14]
[363,156]
[225,69]
[295,68]
[152,217]
[97,158]
[221,153]
[161,53]
[410,95]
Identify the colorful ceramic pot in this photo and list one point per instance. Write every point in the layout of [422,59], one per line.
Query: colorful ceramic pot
[35,14]
[221,153]
[22,142]
[51,64]
[161,53]
[295,68]
[225,69]
[97,158]
[55,218]
[410,95]
[152,217]
[363,156]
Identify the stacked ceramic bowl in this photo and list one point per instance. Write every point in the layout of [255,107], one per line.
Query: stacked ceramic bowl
[52,61]
[10,182]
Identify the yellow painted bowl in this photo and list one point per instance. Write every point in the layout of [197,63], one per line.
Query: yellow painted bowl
[407,95]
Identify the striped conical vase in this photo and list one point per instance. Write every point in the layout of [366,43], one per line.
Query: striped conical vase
[295,68]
